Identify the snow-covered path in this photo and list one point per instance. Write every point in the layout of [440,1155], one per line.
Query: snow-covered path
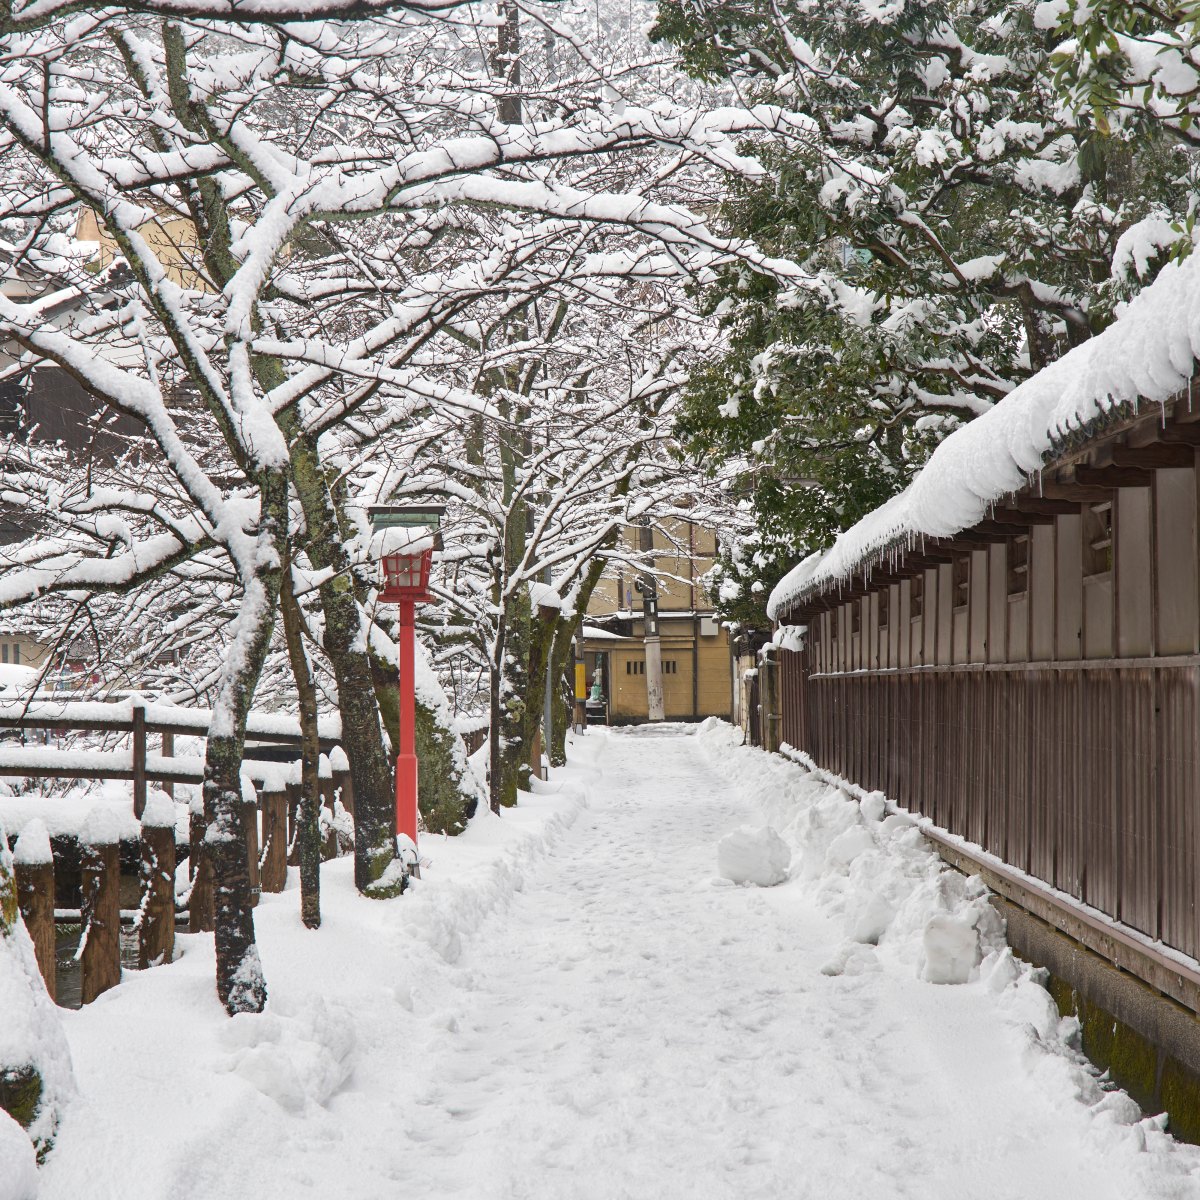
[633,1031]
[624,1027]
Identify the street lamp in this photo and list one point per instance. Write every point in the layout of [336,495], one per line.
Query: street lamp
[403,539]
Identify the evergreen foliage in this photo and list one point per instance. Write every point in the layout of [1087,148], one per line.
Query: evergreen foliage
[961,224]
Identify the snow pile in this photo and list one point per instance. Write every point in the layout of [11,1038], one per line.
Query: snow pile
[18,1163]
[903,910]
[872,871]
[309,1095]
[295,1057]
[31,1035]
[1147,356]
[754,856]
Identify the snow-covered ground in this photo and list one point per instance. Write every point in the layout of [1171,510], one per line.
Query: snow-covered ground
[574,1005]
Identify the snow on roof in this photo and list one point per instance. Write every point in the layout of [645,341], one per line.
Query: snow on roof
[1147,355]
[402,539]
[594,633]
[15,680]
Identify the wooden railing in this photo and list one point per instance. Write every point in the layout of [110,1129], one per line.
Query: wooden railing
[268,824]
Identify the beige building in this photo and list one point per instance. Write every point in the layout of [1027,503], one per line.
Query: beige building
[695,648]
[172,240]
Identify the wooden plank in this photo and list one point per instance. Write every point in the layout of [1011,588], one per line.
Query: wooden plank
[1113,477]
[35,899]
[101,951]
[1157,454]
[139,761]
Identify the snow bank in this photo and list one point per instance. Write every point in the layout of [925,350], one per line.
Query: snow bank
[31,1035]
[1145,357]
[754,856]
[18,1163]
[289,1096]
[871,870]
[903,910]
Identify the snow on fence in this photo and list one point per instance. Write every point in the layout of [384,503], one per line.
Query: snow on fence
[269,817]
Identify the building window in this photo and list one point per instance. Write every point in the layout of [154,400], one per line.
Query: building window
[635,667]
[670,667]
[962,581]
[17,653]
[4,653]
[1018,565]
[916,605]
[1097,539]
[884,605]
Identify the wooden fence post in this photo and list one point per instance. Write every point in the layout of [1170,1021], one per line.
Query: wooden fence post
[34,863]
[293,814]
[100,941]
[328,794]
[273,876]
[201,914]
[168,751]
[250,834]
[156,932]
[341,778]
[139,758]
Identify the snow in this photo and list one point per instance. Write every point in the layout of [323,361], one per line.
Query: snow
[102,827]
[18,1164]
[1147,356]
[544,595]
[33,845]
[570,1006]
[401,539]
[64,816]
[160,811]
[30,1035]
[15,681]
[757,856]
[593,633]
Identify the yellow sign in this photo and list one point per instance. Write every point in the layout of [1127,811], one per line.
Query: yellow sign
[580,681]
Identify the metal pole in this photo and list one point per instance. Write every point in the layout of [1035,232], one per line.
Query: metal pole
[406,758]
[654,686]
[548,701]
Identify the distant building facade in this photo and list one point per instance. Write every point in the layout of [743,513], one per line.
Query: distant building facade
[696,664]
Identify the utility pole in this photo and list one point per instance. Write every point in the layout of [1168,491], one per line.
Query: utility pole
[647,587]
[654,684]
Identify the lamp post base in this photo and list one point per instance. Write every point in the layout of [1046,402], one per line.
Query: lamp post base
[406,796]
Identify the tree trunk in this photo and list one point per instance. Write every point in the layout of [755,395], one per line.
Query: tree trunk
[240,982]
[561,662]
[346,646]
[541,646]
[514,752]
[308,819]
[156,933]
[496,715]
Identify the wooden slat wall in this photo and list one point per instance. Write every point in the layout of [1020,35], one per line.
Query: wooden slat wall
[1056,725]
[1085,778]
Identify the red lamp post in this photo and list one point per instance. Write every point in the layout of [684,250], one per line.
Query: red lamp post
[404,540]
